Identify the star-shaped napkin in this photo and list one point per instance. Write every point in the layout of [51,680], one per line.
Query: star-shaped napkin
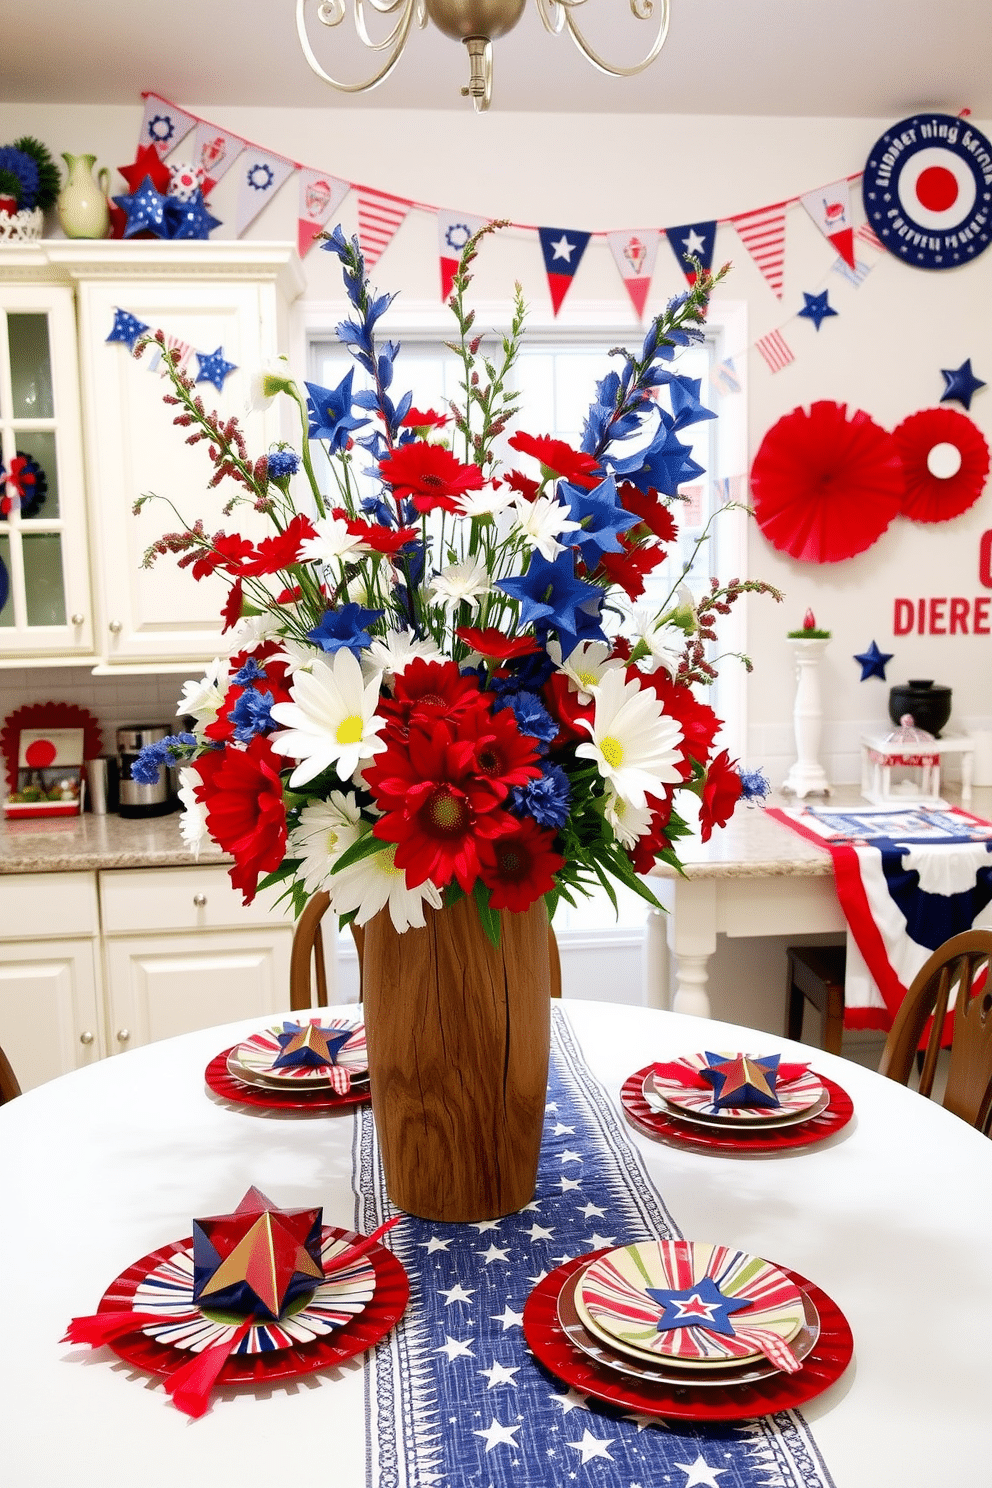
[258,1259]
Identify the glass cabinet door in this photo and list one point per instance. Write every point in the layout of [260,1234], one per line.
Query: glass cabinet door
[44,584]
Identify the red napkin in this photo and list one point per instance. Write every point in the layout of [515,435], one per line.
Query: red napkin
[190,1385]
[103,1327]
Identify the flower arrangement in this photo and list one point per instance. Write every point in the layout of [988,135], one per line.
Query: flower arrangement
[443,686]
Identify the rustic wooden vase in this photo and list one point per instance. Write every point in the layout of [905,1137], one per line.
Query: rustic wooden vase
[458,1040]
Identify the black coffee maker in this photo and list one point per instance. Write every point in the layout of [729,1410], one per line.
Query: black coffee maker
[135,798]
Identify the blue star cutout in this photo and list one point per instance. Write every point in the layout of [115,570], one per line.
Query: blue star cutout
[702,1305]
[144,209]
[309,1046]
[127,328]
[189,219]
[816,308]
[873,662]
[551,594]
[213,368]
[601,516]
[960,384]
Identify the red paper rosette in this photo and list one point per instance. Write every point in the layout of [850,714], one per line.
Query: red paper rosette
[826,486]
[933,498]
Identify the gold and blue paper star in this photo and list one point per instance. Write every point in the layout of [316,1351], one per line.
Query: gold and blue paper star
[258,1259]
[742,1081]
[873,662]
[309,1045]
[702,1305]
[816,308]
[960,384]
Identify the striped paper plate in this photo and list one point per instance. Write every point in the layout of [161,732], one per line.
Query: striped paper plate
[796,1098]
[255,1058]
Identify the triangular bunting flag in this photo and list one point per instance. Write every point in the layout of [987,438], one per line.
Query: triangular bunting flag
[379,216]
[635,254]
[725,379]
[775,350]
[215,150]
[163,125]
[453,231]
[693,240]
[763,235]
[320,196]
[830,209]
[855,276]
[262,173]
[563,250]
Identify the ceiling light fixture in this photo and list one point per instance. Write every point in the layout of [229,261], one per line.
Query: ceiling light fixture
[476,23]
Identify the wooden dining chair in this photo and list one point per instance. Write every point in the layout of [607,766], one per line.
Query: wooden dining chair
[8,1081]
[956,975]
[307,970]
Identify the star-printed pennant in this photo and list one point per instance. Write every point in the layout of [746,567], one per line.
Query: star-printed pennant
[763,235]
[164,126]
[258,1259]
[830,209]
[960,384]
[320,196]
[380,216]
[309,1045]
[453,231]
[260,175]
[816,307]
[213,368]
[126,328]
[215,151]
[563,250]
[701,1305]
[742,1081]
[693,240]
[635,254]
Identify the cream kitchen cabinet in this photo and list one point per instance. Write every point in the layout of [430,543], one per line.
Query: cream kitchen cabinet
[230,298]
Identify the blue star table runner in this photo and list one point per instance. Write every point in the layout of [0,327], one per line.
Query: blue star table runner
[454,1398]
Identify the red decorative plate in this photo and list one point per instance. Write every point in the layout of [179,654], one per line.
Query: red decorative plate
[383,1312]
[551,1346]
[739,1143]
[321,1102]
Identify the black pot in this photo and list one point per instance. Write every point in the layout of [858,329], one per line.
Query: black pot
[929,705]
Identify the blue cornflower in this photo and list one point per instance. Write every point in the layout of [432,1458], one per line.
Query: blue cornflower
[754,786]
[546,799]
[330,413]
[346,628]
[532,716]
[148,766]
[283,463]
[250,672]
[526,674]
[252,714]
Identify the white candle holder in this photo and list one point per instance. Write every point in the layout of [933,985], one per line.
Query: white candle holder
[807,776]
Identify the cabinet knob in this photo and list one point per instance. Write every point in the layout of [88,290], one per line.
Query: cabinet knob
[86,1037]
[115,627]
[77,618]
[123,1034]
[200,900]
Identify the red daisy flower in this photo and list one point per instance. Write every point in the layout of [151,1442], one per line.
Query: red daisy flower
[375,535]
[437,808]
[281,551]
[494,644]
[428,692]
[556,455]
[429,420]
[429,475]
[519,866]
[721,791]
[229,550]
[562,702]
[503,755]
[242,792]
[644,853]
[628,569]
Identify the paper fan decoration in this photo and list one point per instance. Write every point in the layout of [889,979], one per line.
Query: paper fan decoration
[46,716]
[945,462]
[826,486]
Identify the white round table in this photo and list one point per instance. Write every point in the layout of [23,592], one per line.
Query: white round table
[892,1217]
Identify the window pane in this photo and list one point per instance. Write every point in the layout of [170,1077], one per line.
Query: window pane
[30,366]
[44,588]
[42,500]
[7,613]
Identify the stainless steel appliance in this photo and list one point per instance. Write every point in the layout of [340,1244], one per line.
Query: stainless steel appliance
[136,798]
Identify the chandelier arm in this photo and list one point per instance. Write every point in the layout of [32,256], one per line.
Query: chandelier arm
[387,7]
[399,33]
[556,15]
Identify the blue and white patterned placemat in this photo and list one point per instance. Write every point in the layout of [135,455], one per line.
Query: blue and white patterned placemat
[454,1398]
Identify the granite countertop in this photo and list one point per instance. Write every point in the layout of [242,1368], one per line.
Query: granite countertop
[86,843]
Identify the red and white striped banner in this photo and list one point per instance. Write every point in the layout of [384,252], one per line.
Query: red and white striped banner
[775,350]
[868,235]
[763,235]
[379,216]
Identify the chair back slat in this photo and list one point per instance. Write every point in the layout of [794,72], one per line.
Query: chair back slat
[969,1072]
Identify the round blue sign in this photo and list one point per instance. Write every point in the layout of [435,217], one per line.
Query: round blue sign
[927,189]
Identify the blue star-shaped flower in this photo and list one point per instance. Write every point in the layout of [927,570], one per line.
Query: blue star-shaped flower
[663,465]
[189,219]
[585,627]
[213,368]
[960,384]
[601,517]
[330,413]
[144,209]
[702,1305]
[873,662]
[127,328]
[550,592]
[816,308]
[346,628]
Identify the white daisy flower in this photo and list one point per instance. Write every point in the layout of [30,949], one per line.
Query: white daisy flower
[250,632]
[628,822]
[539,523]
[375,883]
[460,581]
[488,502]
[393,652]
[193,822]
[296,656]
[202,699]
[665,643]
[586,666]
[326,829]
[634,743]
[331,720]
[333,540]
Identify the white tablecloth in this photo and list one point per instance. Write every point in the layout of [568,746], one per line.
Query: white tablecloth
[893,1218]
